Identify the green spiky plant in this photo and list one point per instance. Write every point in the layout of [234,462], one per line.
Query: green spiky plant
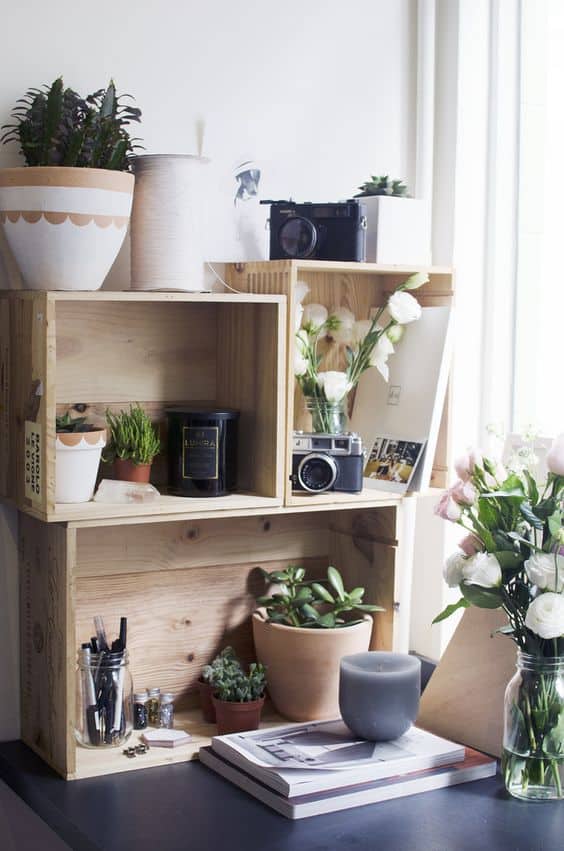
[224,664]
[313,604]
[236,686]
[383,186]
[132,437]
[55,126]
[66,423]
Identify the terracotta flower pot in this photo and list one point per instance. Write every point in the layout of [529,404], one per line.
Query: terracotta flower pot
[303,664]
[129,471]
[208,709]
[237,717]
[77,457]
[65,225]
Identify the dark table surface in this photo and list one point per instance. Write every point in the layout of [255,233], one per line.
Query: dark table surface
[186,806]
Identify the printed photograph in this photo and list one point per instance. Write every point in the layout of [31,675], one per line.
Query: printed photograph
[393,460]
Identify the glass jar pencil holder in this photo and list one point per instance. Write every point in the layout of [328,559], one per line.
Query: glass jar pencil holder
[104,699]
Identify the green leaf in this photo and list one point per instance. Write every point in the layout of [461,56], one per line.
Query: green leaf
[52,119]
[484,598]
[328,621]
[336,581]
[368,607]
[278,576]
[451,609]
[508,560]
[309,612]
[530,516]
[322,593]
[555,522]
[531,487]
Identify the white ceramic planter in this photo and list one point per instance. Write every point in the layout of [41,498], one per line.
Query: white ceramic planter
[167,223]
[303,664]
[65,226]
[398,231]
[77,461]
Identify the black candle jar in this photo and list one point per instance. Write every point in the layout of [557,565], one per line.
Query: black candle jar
[202,451]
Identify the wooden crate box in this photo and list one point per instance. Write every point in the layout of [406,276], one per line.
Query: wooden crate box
[358,287]
[92,351]
[187,589]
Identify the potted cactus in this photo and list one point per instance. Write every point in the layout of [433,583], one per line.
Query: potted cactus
[78,447]
[301,631]
[221,667]
[238,697]
[65,214]
[133,443]
[398,227]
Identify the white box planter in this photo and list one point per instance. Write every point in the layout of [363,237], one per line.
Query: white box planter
[398,231]
[77,461]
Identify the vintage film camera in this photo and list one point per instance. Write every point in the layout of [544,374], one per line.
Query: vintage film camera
[317,231]
[327,462]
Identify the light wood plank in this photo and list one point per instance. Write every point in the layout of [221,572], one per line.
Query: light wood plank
[47,641]
[5,392]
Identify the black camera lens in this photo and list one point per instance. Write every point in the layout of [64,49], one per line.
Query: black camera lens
[298,237]
[317,473]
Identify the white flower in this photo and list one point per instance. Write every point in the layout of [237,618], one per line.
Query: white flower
[301,291]
[379,356]
[416,280]
[335,385]
[542,568]
[360,329]
[403,308]
[302,341]
[314,316]
[300,364]
[298,316]
[482,569]
[395,333]
[545,615]
[343,334]
[453,569]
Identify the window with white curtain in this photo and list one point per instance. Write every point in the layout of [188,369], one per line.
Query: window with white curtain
[539,327]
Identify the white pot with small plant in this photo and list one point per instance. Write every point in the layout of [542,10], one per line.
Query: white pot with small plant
[301,631]
[78,449]
[65,214]
[398,228]
[133,444]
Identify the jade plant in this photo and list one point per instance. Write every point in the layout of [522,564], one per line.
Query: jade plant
[132,437]
[55,126]
[236,686]
[315,604]
[382,186]
[66,423]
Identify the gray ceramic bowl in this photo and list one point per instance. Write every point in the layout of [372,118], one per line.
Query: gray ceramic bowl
[379,694]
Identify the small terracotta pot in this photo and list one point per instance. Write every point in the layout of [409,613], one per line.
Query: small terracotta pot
[208,709]
[129,471]
[237,717]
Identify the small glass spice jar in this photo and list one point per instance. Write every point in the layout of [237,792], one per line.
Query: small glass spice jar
[153,707]
[140,712]
[166,713]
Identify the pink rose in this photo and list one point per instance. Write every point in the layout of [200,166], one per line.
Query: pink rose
[447,508]
[464,493]
[470,545]
[465,465]
[555,456]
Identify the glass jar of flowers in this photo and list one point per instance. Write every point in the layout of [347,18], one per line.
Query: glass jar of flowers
[365,343]
[512,557]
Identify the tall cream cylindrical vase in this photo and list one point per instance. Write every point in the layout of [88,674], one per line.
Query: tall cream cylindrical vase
[167,223]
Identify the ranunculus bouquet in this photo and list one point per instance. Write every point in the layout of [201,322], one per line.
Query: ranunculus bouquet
[366,343]
[511,557]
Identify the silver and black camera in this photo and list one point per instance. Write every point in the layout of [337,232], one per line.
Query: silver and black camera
[327,462]
[331,231]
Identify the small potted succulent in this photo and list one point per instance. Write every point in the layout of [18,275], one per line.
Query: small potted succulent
[133,443]
[301,631]
[238,698]
[78,448]
[222,666]
[65,214]
[398,227]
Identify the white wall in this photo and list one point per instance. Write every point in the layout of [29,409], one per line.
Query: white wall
[321,91]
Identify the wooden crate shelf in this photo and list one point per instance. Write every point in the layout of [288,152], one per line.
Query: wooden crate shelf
[106,350]
[356,286]
[187,588]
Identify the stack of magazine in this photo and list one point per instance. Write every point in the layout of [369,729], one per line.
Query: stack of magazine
[304,770]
